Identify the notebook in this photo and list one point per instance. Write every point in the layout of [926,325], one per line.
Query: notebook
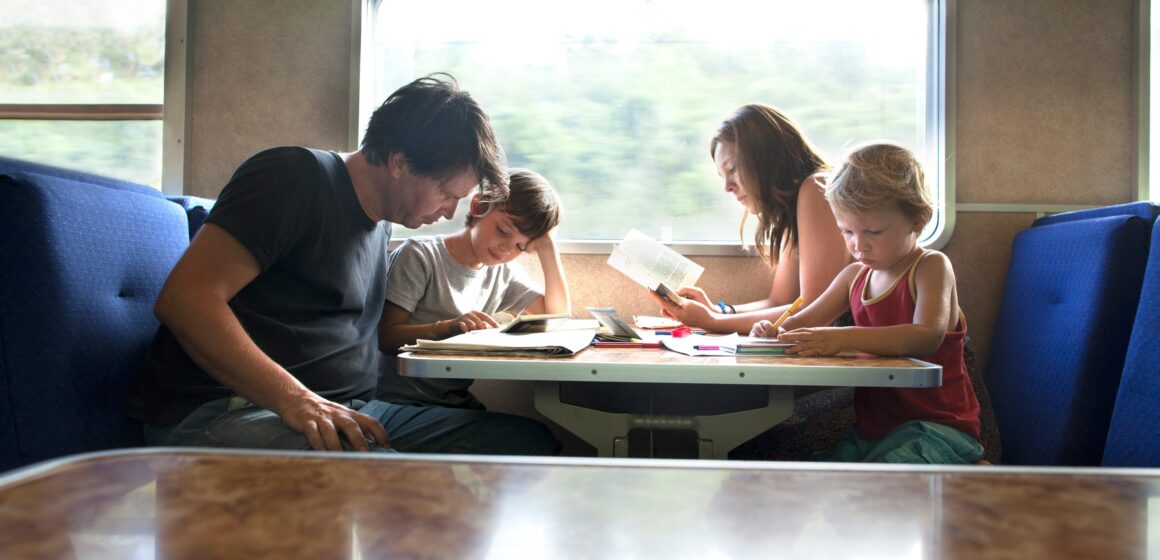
[618,329]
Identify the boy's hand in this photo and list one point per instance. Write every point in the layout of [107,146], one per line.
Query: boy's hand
[820,341]
[471,321]
[544,244]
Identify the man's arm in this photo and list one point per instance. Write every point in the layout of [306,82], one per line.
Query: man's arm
[193,304]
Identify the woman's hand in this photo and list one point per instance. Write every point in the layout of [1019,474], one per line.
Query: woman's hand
[696,294]
[689,312]
[819,341]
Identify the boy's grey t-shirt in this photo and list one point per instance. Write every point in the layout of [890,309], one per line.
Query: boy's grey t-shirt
[428,282]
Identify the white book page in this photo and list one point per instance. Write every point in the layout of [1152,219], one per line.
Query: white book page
[650,263]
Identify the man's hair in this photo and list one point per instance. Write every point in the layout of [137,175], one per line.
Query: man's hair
[441,131]
[532,205]
[878,176]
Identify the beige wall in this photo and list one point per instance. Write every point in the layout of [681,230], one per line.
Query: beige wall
[263,74]
[1045,115]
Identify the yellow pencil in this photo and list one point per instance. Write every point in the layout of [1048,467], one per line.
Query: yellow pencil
[793,307]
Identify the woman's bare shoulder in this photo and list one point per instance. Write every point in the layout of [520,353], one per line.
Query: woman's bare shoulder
[812,199]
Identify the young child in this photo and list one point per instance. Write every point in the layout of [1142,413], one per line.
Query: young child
[442,286]
[905,303]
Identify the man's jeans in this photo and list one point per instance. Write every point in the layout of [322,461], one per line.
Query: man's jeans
[233,422]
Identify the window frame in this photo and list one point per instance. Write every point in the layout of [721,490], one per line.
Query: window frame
[174,96]
[939,134]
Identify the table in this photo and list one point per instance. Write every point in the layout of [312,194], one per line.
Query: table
[198,504]
[717,434]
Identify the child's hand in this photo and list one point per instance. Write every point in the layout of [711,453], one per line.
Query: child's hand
[696,294]
[764,329]
[820,341]
[472,321]
[544,244]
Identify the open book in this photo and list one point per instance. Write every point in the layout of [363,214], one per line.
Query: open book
[492,342]
[653,265]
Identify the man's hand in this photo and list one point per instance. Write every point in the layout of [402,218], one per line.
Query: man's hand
[321,421]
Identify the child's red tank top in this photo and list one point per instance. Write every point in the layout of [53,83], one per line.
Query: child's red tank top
[880,409]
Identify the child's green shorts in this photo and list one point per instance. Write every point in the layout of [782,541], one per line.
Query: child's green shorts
[913,442]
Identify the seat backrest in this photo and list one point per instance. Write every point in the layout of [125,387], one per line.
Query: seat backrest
[1134,434]
[84,258]
[1145,210]
[1060,339]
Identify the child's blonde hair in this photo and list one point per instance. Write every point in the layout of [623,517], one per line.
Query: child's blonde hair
[879,175]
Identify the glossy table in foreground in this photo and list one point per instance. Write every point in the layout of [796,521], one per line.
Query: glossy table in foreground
[717,434]
[179,504]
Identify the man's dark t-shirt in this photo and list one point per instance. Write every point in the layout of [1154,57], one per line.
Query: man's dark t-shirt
[315,304]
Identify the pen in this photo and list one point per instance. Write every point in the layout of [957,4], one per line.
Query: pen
[670,333]
[705,347]
[792,309]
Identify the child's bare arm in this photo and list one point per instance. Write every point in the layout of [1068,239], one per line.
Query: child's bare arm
[934,287]
[829,306]
[556,298]
[394,332]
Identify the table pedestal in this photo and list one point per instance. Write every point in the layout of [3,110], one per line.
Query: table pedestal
[717,434]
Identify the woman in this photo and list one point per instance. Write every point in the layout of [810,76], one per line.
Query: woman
[775,174]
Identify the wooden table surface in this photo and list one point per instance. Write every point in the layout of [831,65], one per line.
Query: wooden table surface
[170,504]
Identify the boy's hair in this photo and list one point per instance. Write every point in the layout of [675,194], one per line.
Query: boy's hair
[532,204]
[774,157]
[879,175]
[441,131]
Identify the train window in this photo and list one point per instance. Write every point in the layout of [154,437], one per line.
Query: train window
[615,101]
[81,85]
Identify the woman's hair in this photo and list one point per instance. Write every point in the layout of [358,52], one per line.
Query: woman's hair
[878,176]
[532,205]
[773,159]
[442,132]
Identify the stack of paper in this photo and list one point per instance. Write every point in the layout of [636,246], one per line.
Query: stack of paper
[491,342]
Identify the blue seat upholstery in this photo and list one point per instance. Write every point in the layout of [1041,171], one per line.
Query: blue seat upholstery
[84,258]
[1145,210]
[1061,336]
[1133,435]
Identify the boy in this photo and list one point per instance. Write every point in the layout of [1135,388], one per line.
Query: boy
[447,285]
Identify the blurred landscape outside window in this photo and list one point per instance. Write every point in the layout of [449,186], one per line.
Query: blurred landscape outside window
[615,101]
[82,85]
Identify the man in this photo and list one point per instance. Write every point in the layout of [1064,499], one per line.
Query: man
[268,336]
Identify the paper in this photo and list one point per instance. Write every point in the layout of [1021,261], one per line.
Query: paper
[616,326]
[491,342]
[651,264]
[651,322]
[701,345]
